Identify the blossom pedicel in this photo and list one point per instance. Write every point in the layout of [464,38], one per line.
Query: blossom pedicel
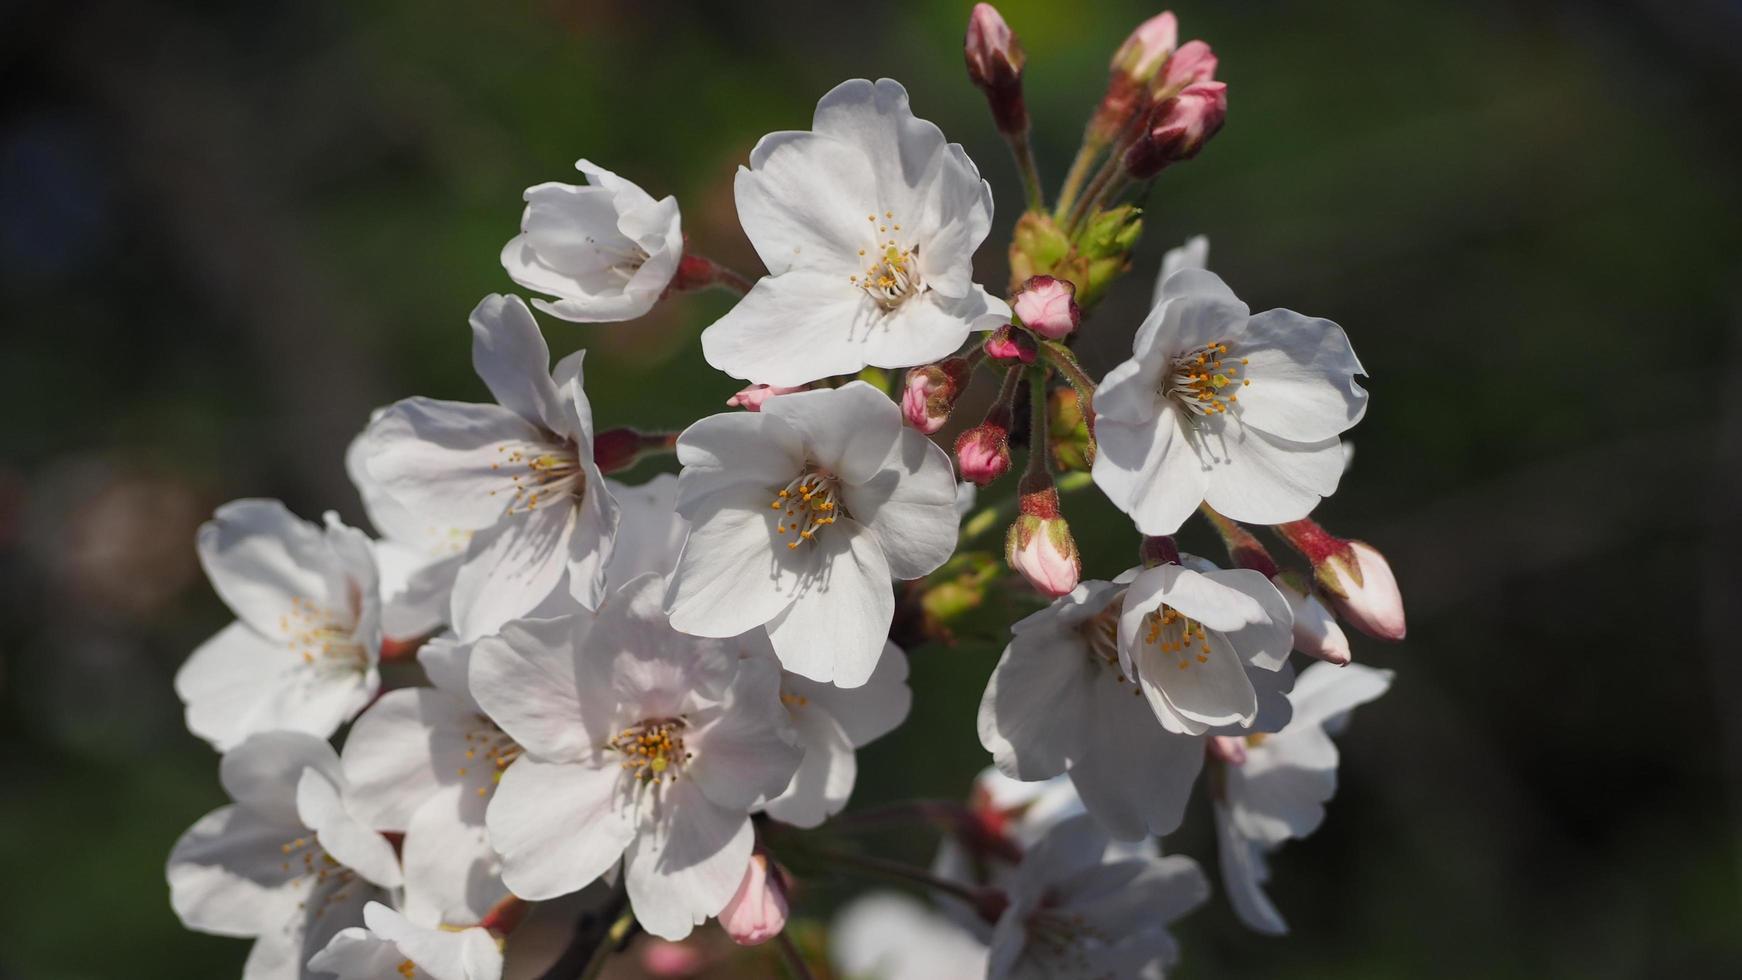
[642,698]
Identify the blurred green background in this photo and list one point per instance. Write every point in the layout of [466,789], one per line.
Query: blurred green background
[229,230]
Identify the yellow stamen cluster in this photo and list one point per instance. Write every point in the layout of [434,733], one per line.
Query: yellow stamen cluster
[549,476]
[322,636]
[810,505]
[1206,380]
[653,750]
[1177,634]
[407,969]
[498,750]
[893,273]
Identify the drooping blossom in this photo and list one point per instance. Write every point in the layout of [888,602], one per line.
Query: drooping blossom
[800,515]
[605,249]
[757,910]
[518,473]
[867,224]
[302,653]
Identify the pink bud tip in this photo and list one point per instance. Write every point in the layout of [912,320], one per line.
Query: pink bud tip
[1011,346]
[665,959]
[752,398]
[1045,554]
[930,393]
[995,58]
[1194,62]
[1143,52]
[757,912]
[1374,605]
[1048,306]
[1178,128]
[1229,749]
[983,454]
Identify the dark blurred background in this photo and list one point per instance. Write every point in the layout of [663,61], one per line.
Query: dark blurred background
[229,230]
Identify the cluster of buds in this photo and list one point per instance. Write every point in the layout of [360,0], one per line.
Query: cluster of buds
[930,393]
[1134,65]
[1188,107]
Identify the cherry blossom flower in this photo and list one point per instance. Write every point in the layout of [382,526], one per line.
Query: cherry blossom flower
[1242,412]
[1280,789]
[287,862]
[392,948]
[417,559]
[868,225]
[606,249]
[519,473]
[1081,906]
[639,743]
[889,936]
[831,723]
[302,653]
[800,514]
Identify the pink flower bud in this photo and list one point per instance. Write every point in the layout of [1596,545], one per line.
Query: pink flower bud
[1359,583]
[750,399]
[757,912]
[1048,306]
[1147,47]
[983,453]
[1230,749]
[1044,552]
[1008,345]
[1178,128]
[930,393]
[995,59]
[666,959]
[1194,62]
[1316,632]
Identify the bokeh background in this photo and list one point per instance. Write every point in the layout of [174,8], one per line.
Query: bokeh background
[229,230]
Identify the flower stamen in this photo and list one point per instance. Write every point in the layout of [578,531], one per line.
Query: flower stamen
[811,504]
[1206,380]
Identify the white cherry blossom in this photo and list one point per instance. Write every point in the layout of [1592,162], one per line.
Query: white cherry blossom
[287,862]
[889,936]
[867,224]
[518,473]
[639,743]
[1280,790]
[605,249]
[1080,906]
[800,515]
[1222,407]
[390,947]
[302,653]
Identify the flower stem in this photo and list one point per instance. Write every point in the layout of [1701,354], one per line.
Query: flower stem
[1060,358]
[613,939]
[999,514]
[1244,550]
[1023,152]
[1038,467]
[695,272]
[1081,167]
[795,963]
[897,871]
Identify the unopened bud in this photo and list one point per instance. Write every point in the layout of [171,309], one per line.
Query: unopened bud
[1147,47]
[1009,346]
[995,59]
[615,450]
[750,399]
[1048,307]
[1134,65]
[757,912]
[1156,550]
[1359,583]
[1316,632]
[1229,749]
[931,392]
[983,452]
[1194,62]
[1039,545]
[1177,129]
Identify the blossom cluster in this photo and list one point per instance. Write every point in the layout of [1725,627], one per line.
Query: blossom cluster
[579,706]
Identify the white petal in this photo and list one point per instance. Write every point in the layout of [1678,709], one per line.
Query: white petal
[1198,309]
[1036,704]
[1150,471]
[261,558]
[1221,600]
[746,753]
[926,328]
[736,572]
[736,449]
[850,430]
[511,568]
[868,712]
[1134,776]
[794,328]
[1324,693]
[803,202]
[889,936]
[406,746]
[1201,694]
[530,681]
[227,876]
[467,954]
[510,355]
[910,504]
[1302,371]
[261,773]
[556,827]
[358,954]
[1281,790]
[690,868]
[1244,873]
[239,682]
[1194,254]
[448,461]
[835,628]
[1264,644]
[824,780]
[1131,391]
[1257,478]
[322,809]
[650,534]
[452,876]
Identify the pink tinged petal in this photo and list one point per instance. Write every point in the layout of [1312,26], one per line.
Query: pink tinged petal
[320,805]
[835,628]
[511,357]
[1151,472]
[1302,372]
[448,461]
[1244,872]
[824,780]
[803,202]
[227,876]
[910,504]
[736,573]
[261,774]
[261,559]
[756,912]
[736,449]
[530,682]
[687,864]
[556,826]
[848,430]
[864,713]
[408,745]
[239,682]
[451,873]
[794,328]
[512,567]
[1257,478]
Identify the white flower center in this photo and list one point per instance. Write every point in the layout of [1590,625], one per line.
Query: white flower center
[542,475]
[892,272]
[325,637]
[653,749]
[811,503]
[1205,381]
[1176,634]
[497,749]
